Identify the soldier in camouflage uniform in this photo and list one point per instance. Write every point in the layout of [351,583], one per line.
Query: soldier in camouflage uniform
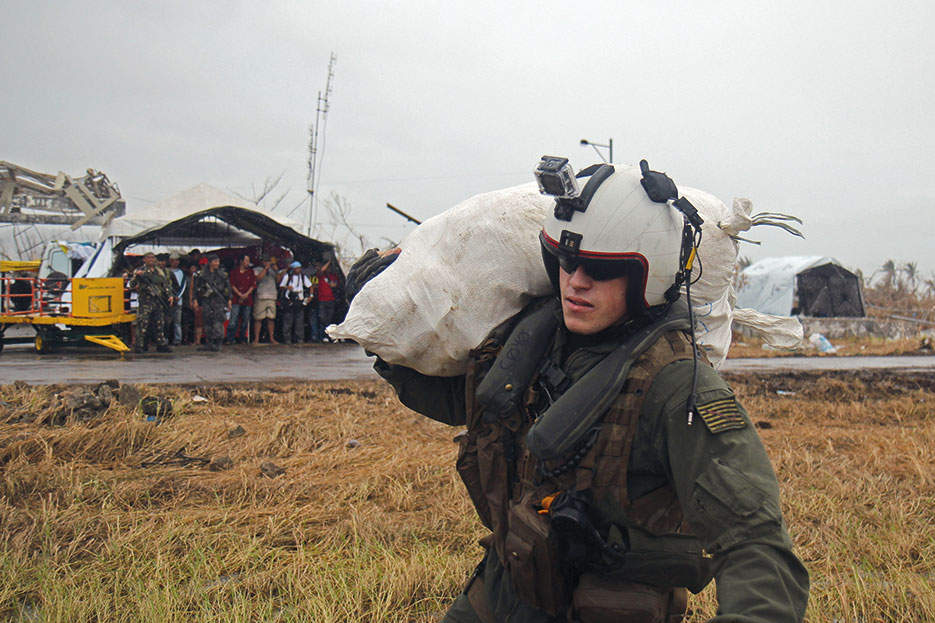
[614,468]
[154,291]
[212,289]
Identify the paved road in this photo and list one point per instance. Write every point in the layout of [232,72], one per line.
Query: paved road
[924,363]
[319,362]
[322,362]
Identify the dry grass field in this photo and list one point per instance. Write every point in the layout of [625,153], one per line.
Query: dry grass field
[104,519]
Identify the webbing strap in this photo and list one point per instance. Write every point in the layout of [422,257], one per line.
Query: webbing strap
[621,422]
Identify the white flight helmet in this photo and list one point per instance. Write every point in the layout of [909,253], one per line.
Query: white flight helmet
[613,228]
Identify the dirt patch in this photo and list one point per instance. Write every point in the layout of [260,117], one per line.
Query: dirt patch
[834,385]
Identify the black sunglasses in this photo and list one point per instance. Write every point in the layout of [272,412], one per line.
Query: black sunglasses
[598,270]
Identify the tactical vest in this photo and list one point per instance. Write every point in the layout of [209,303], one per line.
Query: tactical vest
[212,286]
[647,559]
[151,286]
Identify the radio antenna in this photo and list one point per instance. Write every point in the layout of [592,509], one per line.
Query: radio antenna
[316,156]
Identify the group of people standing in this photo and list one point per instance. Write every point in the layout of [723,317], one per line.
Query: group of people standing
[185,303]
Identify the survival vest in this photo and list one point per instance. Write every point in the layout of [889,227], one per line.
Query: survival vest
[548,505]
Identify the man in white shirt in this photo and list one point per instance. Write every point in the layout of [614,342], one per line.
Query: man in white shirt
[296,290]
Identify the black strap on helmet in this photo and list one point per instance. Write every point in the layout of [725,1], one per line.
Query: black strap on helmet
[566,208]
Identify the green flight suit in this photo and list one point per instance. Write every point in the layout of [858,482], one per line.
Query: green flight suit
[721,474]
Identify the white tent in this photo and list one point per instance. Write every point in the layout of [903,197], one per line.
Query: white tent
[207,218]
[197,199]
[807,285]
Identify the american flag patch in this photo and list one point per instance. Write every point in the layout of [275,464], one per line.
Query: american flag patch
[721,415]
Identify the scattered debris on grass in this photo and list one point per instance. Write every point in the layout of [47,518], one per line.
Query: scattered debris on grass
[271,470]
[386,532]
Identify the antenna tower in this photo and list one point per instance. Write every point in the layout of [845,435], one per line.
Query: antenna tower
[314,160]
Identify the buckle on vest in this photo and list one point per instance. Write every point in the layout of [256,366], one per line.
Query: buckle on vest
[554,378]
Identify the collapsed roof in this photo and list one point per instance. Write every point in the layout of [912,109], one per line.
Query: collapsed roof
[28,196]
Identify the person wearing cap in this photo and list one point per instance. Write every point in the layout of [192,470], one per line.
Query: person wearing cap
[613,467]
[213,298]
[154,292]
[296,291]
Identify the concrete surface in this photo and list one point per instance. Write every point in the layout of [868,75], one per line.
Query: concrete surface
[308,362]
[311,362]
[817,364]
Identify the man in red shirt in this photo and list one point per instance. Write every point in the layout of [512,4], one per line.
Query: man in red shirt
[243,283]
[327,281]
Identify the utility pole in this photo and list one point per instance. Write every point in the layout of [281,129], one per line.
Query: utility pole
[321,122]
[609,147]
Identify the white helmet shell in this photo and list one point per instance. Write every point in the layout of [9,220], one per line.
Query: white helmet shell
[621,222]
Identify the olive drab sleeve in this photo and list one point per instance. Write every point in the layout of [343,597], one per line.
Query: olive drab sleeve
[729,495]
[166,285]
[224,285]
[436,397]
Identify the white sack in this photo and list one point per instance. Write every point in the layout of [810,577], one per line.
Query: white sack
[712,293]
[465,271]
[459,275]
[777,331]
[713,296]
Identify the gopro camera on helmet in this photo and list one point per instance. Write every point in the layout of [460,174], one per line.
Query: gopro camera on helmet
[556,178]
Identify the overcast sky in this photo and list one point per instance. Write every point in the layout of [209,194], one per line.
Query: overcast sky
[818,109]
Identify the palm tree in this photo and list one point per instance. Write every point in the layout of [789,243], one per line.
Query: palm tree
[911,270]
[930,284]
[889,273]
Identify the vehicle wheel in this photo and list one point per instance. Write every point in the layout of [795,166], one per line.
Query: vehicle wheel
[42,343]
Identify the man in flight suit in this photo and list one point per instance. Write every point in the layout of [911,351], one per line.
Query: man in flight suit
[613,466]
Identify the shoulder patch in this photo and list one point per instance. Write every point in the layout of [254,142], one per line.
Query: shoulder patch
[721,415]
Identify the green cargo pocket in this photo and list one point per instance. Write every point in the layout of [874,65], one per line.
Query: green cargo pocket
[531,555]
[726,497]
[728,504]
[599,599]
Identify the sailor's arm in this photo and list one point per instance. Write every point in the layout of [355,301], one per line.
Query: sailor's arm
[437,397]
[440,398]
[730,497]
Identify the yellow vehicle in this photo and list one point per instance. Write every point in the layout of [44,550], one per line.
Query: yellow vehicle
[63,310]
